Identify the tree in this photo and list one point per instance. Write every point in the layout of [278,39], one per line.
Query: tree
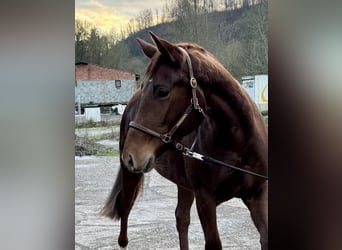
[94,47]
[255,39]
[237,37]
[81,35]
[191,18]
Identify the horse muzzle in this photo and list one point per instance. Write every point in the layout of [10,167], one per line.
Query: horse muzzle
[138,165]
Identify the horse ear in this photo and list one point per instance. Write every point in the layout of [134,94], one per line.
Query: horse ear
[166,49]
[149,49]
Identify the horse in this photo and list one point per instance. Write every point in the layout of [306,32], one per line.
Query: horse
[188,98]
[128,185]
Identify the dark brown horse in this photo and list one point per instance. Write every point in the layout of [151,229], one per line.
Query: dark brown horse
[188,97]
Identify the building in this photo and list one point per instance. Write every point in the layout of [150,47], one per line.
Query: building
[101,87]
[257,87]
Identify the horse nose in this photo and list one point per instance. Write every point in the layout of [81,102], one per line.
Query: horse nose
[134,166]
[129,163]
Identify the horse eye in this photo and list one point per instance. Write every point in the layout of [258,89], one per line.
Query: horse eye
[162,92]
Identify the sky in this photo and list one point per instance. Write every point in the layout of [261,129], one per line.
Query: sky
[109,14]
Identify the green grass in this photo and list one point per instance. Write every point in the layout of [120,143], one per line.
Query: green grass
[108,152]
[92,124]
[108,136]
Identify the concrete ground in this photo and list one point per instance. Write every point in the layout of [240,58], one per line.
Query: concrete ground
[152,223]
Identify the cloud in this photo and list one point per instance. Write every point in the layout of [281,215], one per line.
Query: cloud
[103,17]
[109,14]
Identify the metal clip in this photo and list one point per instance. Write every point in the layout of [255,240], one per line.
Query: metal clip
[185,151]
[166,138]
[192,154]
[179,146]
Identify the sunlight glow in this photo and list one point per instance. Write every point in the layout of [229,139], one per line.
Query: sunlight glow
[104,18]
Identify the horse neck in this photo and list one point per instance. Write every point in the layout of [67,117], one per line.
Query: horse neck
[233,121]
[225,98]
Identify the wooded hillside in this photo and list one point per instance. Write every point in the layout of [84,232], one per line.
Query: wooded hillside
[237,36]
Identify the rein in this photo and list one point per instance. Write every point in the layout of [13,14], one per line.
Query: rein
[167,137]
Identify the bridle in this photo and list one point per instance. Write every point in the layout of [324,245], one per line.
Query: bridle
[194,105]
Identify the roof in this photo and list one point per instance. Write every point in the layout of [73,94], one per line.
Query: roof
[81,62]
[85,71]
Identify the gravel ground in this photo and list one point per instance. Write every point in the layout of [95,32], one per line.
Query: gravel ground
[152,223]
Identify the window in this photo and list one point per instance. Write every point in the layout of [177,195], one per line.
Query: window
[117,84]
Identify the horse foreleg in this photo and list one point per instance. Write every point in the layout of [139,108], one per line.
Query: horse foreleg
[123,239]
[258,207]
[185,200]
[206,208]
[130,189]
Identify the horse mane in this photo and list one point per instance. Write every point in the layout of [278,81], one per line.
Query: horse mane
[210,73]
[237,109]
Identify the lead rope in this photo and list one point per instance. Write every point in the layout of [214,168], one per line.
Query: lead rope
[189,153]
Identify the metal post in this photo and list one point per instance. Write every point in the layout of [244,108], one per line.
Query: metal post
[79,105]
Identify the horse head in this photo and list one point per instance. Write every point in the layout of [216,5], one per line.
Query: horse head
[166,95]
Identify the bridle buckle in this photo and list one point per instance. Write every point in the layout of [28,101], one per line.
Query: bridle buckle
[193,82]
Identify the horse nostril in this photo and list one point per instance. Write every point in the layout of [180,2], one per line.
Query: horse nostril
[130,161]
